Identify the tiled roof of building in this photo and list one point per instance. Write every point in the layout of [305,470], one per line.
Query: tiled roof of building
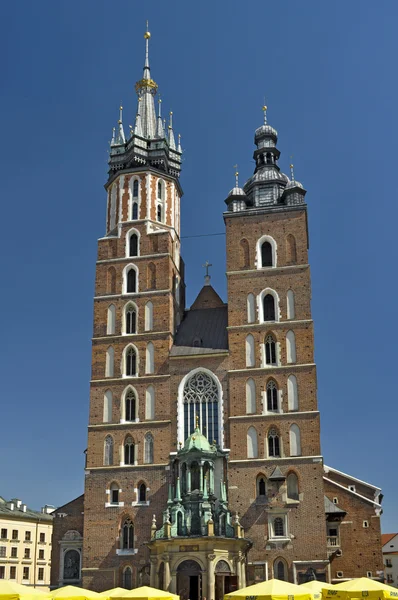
[332,508]
[19,512]
[386,537]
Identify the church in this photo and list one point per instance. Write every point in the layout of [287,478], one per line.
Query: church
[204,470]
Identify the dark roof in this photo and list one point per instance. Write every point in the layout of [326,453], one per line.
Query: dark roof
[207,298]
[332,508]
[18,513]
[276,475]
[202,331]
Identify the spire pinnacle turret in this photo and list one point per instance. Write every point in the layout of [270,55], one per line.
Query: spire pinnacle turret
[179,149]
[172,142]
[236,176]
[291,169]
[265,114]
[159,126]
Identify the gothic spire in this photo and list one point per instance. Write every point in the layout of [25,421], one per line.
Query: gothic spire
[172,142]
[146,89]
[159,129]
[120,138]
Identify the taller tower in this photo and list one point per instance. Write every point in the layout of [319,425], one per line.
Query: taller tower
[273,419]
[139,299]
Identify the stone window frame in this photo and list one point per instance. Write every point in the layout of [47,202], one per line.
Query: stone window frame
[129,233]
[72,540]
[274,246]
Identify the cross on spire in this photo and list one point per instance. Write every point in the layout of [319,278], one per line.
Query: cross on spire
[207,276]
[236,176]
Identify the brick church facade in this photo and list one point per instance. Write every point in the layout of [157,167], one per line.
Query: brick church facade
[204,468]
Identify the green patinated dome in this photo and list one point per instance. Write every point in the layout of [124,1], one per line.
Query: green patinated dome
[197,441]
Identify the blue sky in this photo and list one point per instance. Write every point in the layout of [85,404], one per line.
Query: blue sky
[328,71]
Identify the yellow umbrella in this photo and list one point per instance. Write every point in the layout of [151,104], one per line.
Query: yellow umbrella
[77,593]
[10,590]
[272,589]
[363,587]
[144,593]
[116,592]
[317,586]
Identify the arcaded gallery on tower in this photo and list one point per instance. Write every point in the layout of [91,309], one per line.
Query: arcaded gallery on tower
[204,468]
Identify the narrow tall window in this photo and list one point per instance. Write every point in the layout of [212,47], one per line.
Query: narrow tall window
[134,212]
[131,363]
[108,451]
[111,281]
[244,254]
[291,309]
[270,350]
[107,415]
[128,578]
[135,188]
[150,358]
[291,253]
[266,254]
[131,281]
[279,527]
[130,406]
[129,453]
[150,403]
[272,397]
[251,308]
[160,190]
[159,213]
[128,535]
[151,276]
[280,570]
[268,307]
[114,494]
[148,449]
[250,397]
[109,362]
[148,316]
[261,486]
[273,444]
[292,486]
[133,245]
[295,440]
[292,393]
[111,320]
[252,446]
[131,319]
[142,493]
[291,347]
[250,354]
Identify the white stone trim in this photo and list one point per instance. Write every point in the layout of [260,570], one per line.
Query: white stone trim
[140,257]
[114,504]
[126,551]
[129,233]
[279,324]
[273,459]
[260,307]
[126,271]
[282,414]
[126,295]
[276,367]
[117,379]
[351,492]
[327,469]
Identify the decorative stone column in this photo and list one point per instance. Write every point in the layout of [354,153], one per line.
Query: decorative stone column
[153,573]
[167,576]
[243,570]
[210,577]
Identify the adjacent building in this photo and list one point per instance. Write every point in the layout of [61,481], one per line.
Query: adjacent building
[25,543]
[390,556]
[204,467]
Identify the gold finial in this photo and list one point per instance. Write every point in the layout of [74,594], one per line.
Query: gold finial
[197,421]
[264,109]
[147,34]
[236,176]
[292,168]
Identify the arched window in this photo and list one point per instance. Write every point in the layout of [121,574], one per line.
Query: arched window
[252,447]
[261,486]
[135,188]
[295,440]
[291,253]
[128,578]
[130,406]
[201,398]
[114,493]
[266,254]
[291,310]
[150,403]
[109,362]
[131,362]
[151,276]
[292,486]
[291,347]
[133,245]
[250,354]
[279,527]
[273,444]
[108,451]
[251,308]
[111,281]
[280,571]
[134,211]
[244,254]
[150,358]
[142,493]
[71,569]
[160,190]
[292,393]
[148,316]
[111,320]
[129,451]
[148,449]
[131,281]
[250,397]
[268,307]
[130,317]
[107,415]
[270,350]
[128,535]
[272,397]
[159,213]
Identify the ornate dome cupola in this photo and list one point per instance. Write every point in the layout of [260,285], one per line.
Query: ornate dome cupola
[294,191]
[267,184]
[237,199]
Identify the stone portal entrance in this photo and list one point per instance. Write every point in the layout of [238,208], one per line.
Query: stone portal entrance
[189,580]
[225,581]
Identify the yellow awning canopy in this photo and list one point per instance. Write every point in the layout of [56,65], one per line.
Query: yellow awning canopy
[10,590]
[77,593]
[116,592]
[363,587]
[142,593]
[317,586]
[272,589]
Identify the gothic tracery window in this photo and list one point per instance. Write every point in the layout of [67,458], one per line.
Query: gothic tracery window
[129,451]
[272,396]
[108,451]
[270,350]
[148,449]
[131,363]
[128,535]
[130,406]
[273,443]
[200,398]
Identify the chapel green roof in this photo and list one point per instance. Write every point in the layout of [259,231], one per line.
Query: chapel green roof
[199,442]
